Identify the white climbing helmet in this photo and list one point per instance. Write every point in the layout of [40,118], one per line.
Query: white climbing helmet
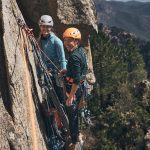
[46,20]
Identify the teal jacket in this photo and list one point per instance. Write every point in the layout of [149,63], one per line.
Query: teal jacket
[53,48]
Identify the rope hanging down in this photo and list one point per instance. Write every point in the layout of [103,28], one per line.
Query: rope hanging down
[50,89]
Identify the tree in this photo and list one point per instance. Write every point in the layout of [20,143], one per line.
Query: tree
[122,117]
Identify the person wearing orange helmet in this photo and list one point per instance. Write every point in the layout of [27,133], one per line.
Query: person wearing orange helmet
[75,75]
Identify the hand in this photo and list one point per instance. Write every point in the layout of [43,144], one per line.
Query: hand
[63,72]
[49,72]
[69,102]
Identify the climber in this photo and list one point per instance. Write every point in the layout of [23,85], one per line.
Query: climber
[53,56]
[52,46]
[75,76]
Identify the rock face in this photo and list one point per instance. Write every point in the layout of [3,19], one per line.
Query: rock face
[19,112]
[65,13]
[21,123]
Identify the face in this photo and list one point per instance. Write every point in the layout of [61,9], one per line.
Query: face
[70,43]
[45,30]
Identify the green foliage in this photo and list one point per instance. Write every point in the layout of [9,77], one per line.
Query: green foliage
[124,123]
[122,118]
[145,51]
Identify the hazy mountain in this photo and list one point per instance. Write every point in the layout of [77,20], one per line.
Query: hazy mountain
[132,16]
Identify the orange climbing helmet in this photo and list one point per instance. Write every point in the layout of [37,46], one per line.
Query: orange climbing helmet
[73,33]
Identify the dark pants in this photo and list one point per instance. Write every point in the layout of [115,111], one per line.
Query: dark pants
[72,113]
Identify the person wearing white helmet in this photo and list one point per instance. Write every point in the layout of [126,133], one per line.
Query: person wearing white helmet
[50,43]
[46,20]
[52,46]
[53,51]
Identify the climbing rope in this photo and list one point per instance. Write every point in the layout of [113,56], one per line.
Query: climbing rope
[29,94]
[50,90]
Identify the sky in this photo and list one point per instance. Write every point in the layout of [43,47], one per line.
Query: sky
[130,0]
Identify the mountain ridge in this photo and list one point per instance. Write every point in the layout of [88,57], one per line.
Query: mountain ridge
[132,16]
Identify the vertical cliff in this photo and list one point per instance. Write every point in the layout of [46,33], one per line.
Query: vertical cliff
[66,13]
[21,123]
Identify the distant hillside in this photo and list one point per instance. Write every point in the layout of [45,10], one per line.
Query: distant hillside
[119,37]
[132,16]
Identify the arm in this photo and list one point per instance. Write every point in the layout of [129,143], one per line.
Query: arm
[76,71]
[61,53]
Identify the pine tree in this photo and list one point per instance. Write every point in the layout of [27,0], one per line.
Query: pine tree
[122,118]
